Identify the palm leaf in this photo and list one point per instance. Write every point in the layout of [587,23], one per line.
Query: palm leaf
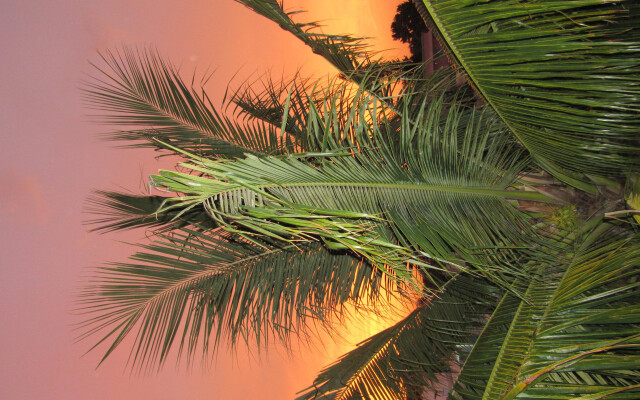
[119,211]
[443,181]
[194,289]
[350,55]
[345,52]
[140,89]
[472,381]
[562,75]
[414,353]
[295,104]
[578,334]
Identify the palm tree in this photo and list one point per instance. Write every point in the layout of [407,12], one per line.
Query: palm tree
[299,198]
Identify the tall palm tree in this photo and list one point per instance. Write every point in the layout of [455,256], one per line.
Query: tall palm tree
[297,198]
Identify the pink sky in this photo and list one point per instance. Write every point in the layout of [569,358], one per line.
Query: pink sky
[52,158]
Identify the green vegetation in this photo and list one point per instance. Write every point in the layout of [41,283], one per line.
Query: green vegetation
[565,217]
[503,207]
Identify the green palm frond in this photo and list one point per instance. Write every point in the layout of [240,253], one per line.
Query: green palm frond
[273,101]
[577,336]
[141,90]
[471,383]
[298,105]
[294,105]
[350,55]
[119,211]
[458,155]
[562,75]
[458,178]
[412,354]
[339,118]
[193,289]
[345,52]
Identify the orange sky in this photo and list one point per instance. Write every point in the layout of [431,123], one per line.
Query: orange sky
[52,159]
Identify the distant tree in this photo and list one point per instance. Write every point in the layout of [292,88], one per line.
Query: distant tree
[407,27]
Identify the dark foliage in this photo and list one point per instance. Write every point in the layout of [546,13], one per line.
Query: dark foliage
[407,27]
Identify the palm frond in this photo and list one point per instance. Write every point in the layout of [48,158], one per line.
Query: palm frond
[412,354]
[194,289]
[294,104]
[337,106]
[119,211]
[140,89]
[562,75]
[577,335]
[457,178]
[477,368]
[345,52]
[350,55]
[337,122]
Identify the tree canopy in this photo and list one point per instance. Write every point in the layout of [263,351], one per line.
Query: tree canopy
[502,205]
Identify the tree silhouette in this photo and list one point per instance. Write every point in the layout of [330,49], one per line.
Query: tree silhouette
[407,27]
